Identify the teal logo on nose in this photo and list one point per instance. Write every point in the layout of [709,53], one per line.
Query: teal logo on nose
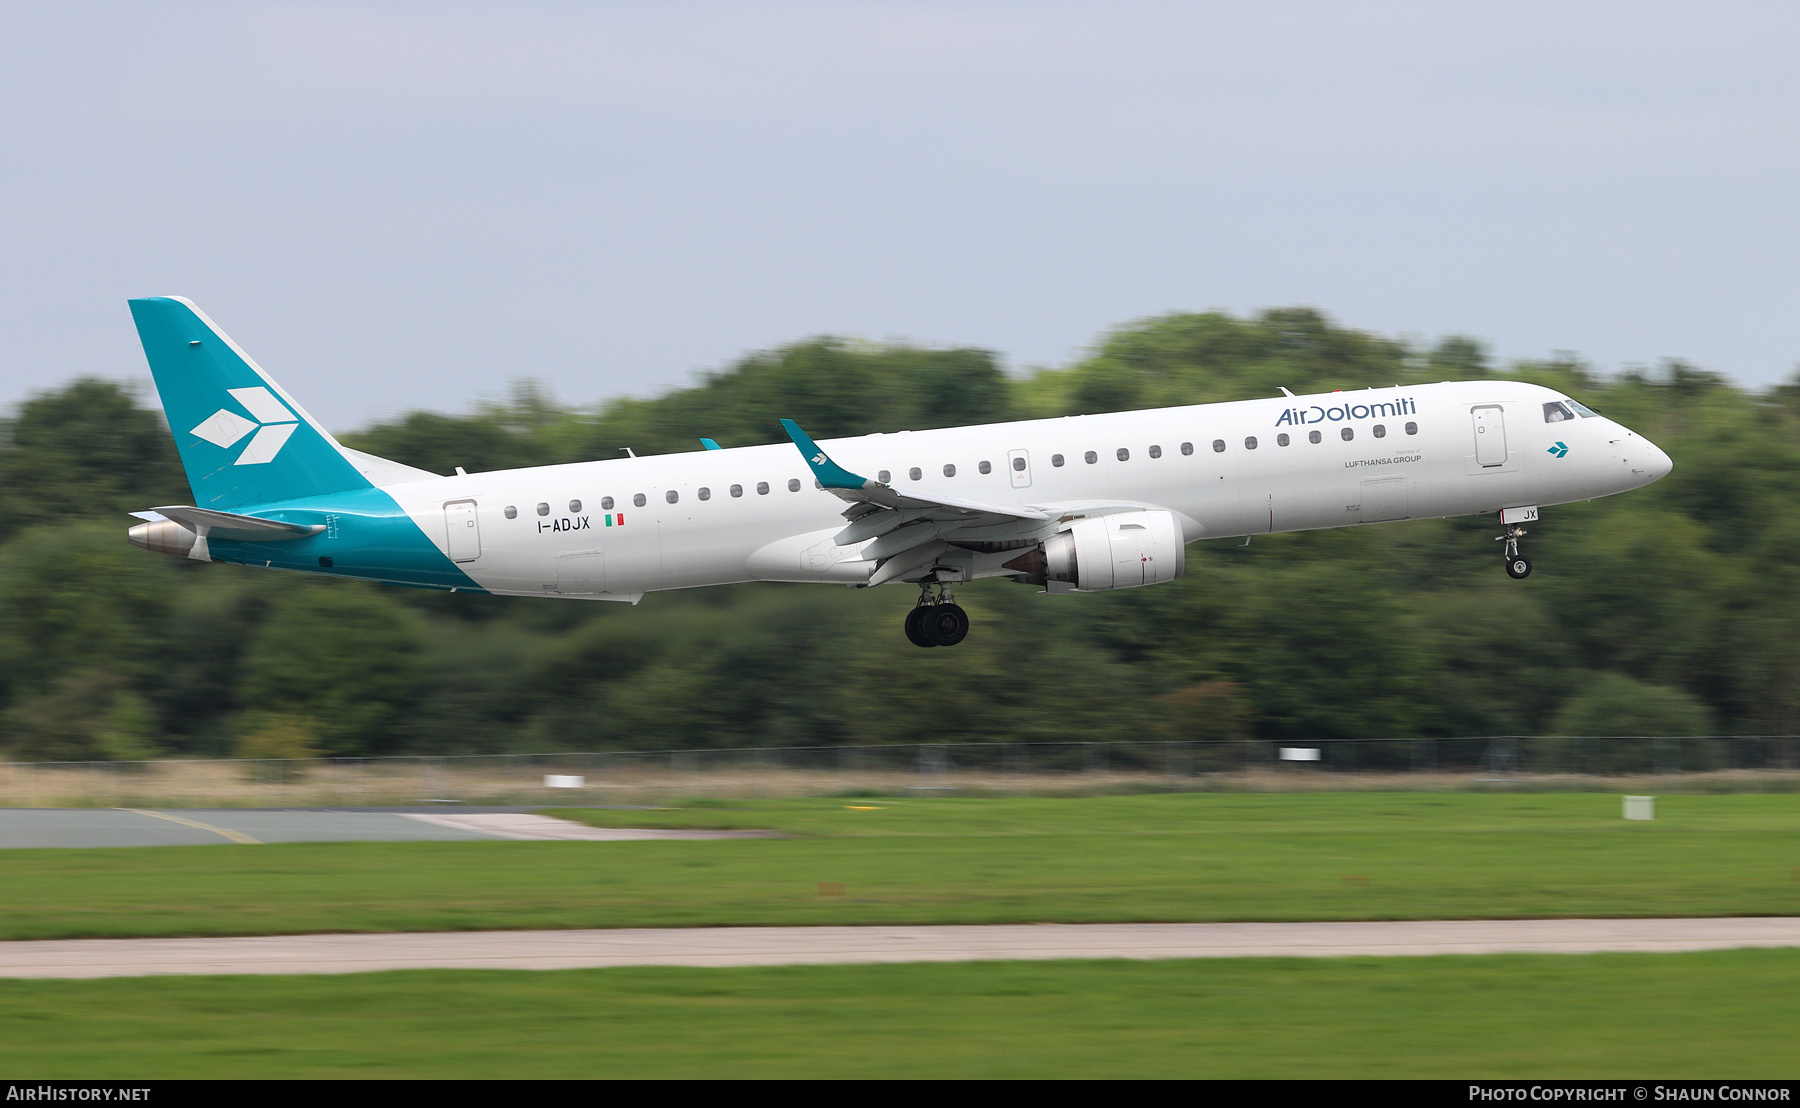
[1559,449]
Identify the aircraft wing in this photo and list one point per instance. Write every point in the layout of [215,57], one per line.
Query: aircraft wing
[860,490]
[911,530]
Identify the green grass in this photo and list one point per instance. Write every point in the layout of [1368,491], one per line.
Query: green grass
[944,860]
[1716,1014]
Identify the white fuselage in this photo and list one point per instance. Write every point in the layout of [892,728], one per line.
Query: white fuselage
[756,514]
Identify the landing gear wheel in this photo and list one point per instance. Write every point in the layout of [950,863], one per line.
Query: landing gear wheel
[945,624]
[915,627]
[1518,566]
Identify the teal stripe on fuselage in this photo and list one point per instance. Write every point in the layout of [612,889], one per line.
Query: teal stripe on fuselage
[367,534]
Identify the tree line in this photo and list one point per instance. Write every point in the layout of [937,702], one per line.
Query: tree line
[1667,611]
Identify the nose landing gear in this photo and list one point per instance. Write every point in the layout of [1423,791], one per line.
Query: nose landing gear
[940,622]
[1518,566]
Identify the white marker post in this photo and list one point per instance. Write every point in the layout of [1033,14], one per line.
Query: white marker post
[1640,807]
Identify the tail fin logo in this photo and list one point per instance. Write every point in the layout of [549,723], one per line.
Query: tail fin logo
[270,419]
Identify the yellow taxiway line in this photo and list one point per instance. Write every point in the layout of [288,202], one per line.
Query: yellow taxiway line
[234,836]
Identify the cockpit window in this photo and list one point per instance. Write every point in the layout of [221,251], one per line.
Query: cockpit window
[1582,410]
[1556,412]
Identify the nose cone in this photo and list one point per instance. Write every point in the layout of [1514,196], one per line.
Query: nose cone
[1655,463]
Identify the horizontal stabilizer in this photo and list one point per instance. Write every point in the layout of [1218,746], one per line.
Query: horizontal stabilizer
[228,525]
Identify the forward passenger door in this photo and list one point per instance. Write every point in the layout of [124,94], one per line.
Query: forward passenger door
[1489,422]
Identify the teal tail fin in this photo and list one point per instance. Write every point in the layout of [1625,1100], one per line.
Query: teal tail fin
[242,438]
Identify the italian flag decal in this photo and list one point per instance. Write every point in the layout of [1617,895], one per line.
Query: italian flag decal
[615,519]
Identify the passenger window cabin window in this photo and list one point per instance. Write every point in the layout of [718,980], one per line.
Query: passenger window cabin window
[512,512]
[705,493]
[606,503]
[1090,457]
[915,473]
[671,496]
[574,506]
[1556,413]
[638,499]
[1056,460]
[1282,439]
[1412,428]
[1187,448]
[793,484]
[985,467]
[762,488]
[543,509]
[1381,430]
[884,477]
[1218,446]
[1314,437]
[1124,455]
[1348,433]
[1250,442]
[1019,465]
[1156,451]
[737,490]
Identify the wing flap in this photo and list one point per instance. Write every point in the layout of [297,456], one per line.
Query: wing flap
[882,496]
[908,561]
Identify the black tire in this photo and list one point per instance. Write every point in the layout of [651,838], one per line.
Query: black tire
[915,627]
[1518,567]
[945,624]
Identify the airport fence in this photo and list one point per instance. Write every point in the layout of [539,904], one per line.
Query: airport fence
[1643,763]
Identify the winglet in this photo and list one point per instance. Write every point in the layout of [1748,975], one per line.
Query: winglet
[709,444]
[829,473]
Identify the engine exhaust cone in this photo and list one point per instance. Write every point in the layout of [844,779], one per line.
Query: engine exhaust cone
[164,536]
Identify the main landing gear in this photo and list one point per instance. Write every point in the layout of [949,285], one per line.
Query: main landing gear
[940,622]
[1518,566]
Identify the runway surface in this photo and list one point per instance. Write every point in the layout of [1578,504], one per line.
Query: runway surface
[91,827]
[775,946]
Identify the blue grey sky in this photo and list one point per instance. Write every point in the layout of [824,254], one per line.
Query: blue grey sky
[398,205]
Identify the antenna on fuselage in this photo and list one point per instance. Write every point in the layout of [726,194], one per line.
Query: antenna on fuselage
[1284,390]
[628,452]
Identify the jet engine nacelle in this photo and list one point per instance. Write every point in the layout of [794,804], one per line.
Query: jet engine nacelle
[1119,551]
